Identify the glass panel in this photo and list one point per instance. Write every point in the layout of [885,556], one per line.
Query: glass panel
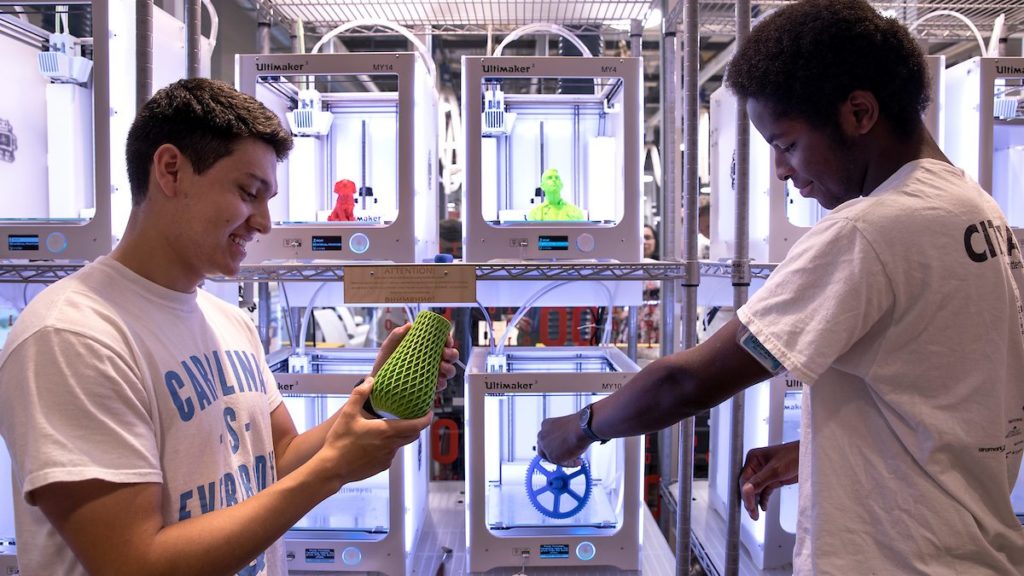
[1008,153]
[561,497]
[46,151]
[359,508]
[552,149]
[344,166]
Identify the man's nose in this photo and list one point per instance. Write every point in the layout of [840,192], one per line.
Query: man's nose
[260,218]
[783,169]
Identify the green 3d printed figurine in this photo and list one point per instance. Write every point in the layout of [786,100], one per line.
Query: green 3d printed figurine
[554,207]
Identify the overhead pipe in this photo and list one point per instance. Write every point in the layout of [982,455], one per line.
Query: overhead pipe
[691,187]
[193,36]
[263,288]
[263,36]
[636,30]
[143,52]
[674,439]
[668,439]
[265,16]
[741,289]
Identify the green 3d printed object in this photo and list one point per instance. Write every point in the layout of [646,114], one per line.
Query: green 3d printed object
[405,386]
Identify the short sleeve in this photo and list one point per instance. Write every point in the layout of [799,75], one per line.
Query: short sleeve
[75,409]
[828,293]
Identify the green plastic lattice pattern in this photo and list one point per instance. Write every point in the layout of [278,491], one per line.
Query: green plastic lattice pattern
[405,385]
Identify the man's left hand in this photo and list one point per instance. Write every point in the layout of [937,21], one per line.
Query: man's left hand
[446,368]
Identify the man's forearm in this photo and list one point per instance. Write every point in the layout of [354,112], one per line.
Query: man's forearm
[649,402]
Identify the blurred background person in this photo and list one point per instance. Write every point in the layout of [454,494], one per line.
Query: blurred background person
[651,249]
[450,238]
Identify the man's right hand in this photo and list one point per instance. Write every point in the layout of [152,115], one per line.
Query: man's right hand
[364,446]
[765,470]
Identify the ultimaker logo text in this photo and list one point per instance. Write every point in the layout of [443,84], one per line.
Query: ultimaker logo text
[506,69]
[286,67]
[492,385]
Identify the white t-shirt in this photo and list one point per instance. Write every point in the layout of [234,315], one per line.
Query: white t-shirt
[109,376]
[901,312]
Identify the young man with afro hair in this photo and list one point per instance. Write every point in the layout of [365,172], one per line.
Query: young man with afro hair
[900,311]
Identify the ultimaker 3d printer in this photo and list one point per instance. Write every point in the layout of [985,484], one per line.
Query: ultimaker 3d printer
[523,512]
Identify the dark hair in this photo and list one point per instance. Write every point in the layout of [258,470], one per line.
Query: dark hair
[202,118]
[450,230]
[805,59]
[657,249]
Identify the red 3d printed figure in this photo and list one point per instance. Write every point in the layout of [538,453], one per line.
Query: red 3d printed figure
[346,191]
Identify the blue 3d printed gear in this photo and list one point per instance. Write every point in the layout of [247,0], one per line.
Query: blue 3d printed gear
[547,482]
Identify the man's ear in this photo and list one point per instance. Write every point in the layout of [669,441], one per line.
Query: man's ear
[859,113]
[168,163]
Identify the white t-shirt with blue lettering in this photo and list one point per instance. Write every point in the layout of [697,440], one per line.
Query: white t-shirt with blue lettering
[109,376]
[901,313]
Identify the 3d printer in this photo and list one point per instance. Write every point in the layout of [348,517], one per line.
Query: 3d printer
[368,526]
[779,215]
[8,549]
[989,145]
[360,182]
[524,512]
[985,126]
[771,416]
[51,209]
[530,121]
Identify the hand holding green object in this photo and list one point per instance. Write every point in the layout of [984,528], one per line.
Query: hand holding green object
[405,386]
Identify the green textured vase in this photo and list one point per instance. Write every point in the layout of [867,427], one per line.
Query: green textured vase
[405,385]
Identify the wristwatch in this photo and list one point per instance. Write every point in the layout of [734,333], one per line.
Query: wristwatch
[586,415]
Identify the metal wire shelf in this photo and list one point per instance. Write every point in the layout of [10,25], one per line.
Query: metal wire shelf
[597,16]
[37,272]
[47,272]
[718,18]
[498,14]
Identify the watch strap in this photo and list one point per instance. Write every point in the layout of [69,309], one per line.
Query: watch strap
[588,431]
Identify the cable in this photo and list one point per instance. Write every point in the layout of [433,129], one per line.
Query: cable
[974,30]
[490,325]
[450,138]
[24,294]
[421,49]
[543,27]
[214,23]
[301,349]
[522,312]
[536,296]
[62,19]
[288,313]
